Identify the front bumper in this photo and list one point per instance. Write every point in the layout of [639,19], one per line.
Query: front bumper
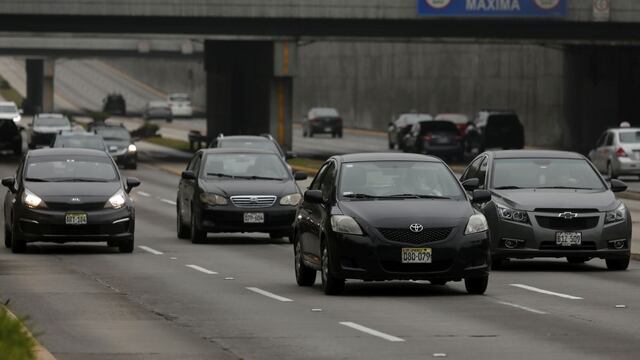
[229,218]
[372,257]
[626,166]
[538,239]
[45,225]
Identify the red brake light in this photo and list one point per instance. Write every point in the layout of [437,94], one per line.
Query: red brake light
[427,137]
[620,152]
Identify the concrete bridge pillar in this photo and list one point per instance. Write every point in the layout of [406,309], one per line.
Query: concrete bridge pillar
[249,88]
[47,85]
[40,78]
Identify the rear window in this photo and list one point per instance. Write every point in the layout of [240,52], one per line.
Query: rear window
[630,137]
[504,120]
[323,112]
[52,121]
[179,97]
[437,126]
[82,142]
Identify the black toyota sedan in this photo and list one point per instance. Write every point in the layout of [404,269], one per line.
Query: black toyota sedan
[236,190]
[551,204]
[390,217]
[68,195]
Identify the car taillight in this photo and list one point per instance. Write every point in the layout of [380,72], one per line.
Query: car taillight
[462,128]
[620,152]
[427,137]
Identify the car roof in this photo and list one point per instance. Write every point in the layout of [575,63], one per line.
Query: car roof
[235,151]
[51,115]
[75,133]
[244,137]
[385,156]
[515,154]
[66,151]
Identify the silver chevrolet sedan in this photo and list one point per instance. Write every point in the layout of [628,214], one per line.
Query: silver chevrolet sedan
[617,152]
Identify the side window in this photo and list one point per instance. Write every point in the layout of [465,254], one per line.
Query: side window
[317,182]
[609,139]
[472,169]
[328,181]
[482,172]
[194,164]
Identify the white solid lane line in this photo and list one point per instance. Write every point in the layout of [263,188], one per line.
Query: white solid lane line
[547,292]
[525,308]
[370,331]
[201,269]
[269,294]
[166,201]
[150,250]
[142,193]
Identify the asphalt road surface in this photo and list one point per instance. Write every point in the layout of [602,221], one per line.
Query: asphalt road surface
[235,297]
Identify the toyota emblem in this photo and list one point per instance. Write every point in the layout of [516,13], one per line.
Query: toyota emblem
[416,228]
[568,215]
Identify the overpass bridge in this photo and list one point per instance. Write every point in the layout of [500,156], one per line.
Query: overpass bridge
[250,45]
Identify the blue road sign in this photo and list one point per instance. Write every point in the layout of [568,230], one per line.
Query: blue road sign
[493,8]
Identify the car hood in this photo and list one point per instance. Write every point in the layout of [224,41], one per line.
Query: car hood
[56,191]
[430,213]
[249,187]
[9,115]
[121,144]
[51,129]
[531,199]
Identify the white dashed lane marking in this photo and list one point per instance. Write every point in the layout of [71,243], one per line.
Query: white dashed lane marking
[370,331]
[269,294]
[150,250]
[201,269]
[546,292]
[525,308]
[167,201]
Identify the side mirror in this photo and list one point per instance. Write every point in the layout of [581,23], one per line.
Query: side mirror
[481,196]
[471,184]
[131,183]
[313,196]
[299,176]
[616,185]
[10,183]
[290,155]
[188,175]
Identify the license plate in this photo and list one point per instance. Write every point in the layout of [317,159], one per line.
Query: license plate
[75,219]
[442,140]
[416,255]
[254,218]
[568,238]
[327,129]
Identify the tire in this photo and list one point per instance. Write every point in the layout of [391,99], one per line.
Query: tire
[577,259]
[7,238]
[391,145]
[181,229]
[18,245]
[610,173]
[476,285]
[340,134]
[197,235]
[304,134]
[330,284]
[438,282]
[112,243]
[305,276]
[125,246]
[617,264]
[334,135]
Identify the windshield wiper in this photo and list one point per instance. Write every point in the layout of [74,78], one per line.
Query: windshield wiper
[221,175]
[263,178]
[361,196]
[565,187]
[508,187]
[417,196]
[36,180]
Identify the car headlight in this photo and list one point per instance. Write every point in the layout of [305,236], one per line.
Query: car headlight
[16,119]
[292,199]
[132,148]
[345,225]
[617,215]
[213,199]
[116,201]
[477,223]
[32,200]
[508,214]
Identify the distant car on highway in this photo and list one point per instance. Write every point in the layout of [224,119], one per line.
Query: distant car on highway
[180,105]
[390,216]
[10,136]
[494,129]
[461,120]
[68,195]
[9,111]
[158,110]
[44,129]
[119,145]
[435,137]
[322,121]
[261,142]
[114,104]
[79,140]
[551,204]
[400,127]
[236,190]
[617,152]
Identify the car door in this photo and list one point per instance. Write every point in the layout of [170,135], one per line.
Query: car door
[186,188]
[609,150]
[10,197]
[309,217]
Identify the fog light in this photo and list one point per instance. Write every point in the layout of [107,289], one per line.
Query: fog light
[618,244]
[510,243]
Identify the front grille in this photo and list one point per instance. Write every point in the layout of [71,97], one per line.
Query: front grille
[551,245]
[398,267]
[253,201]
[75,230]
[409,237]
[65,206]
[558,223]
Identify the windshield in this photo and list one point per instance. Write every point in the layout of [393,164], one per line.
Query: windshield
[51,121]
[179,97]
[115,133]
[630,137]
[8,109]
[83,142]
[410,179]
[266,166]
[70,168]
[249,144]
[545,173]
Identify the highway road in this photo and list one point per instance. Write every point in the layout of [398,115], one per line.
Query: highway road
[235,297]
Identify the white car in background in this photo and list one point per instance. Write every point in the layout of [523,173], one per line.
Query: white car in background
[617,152]
[180,105]
[461,120]
[9,110]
